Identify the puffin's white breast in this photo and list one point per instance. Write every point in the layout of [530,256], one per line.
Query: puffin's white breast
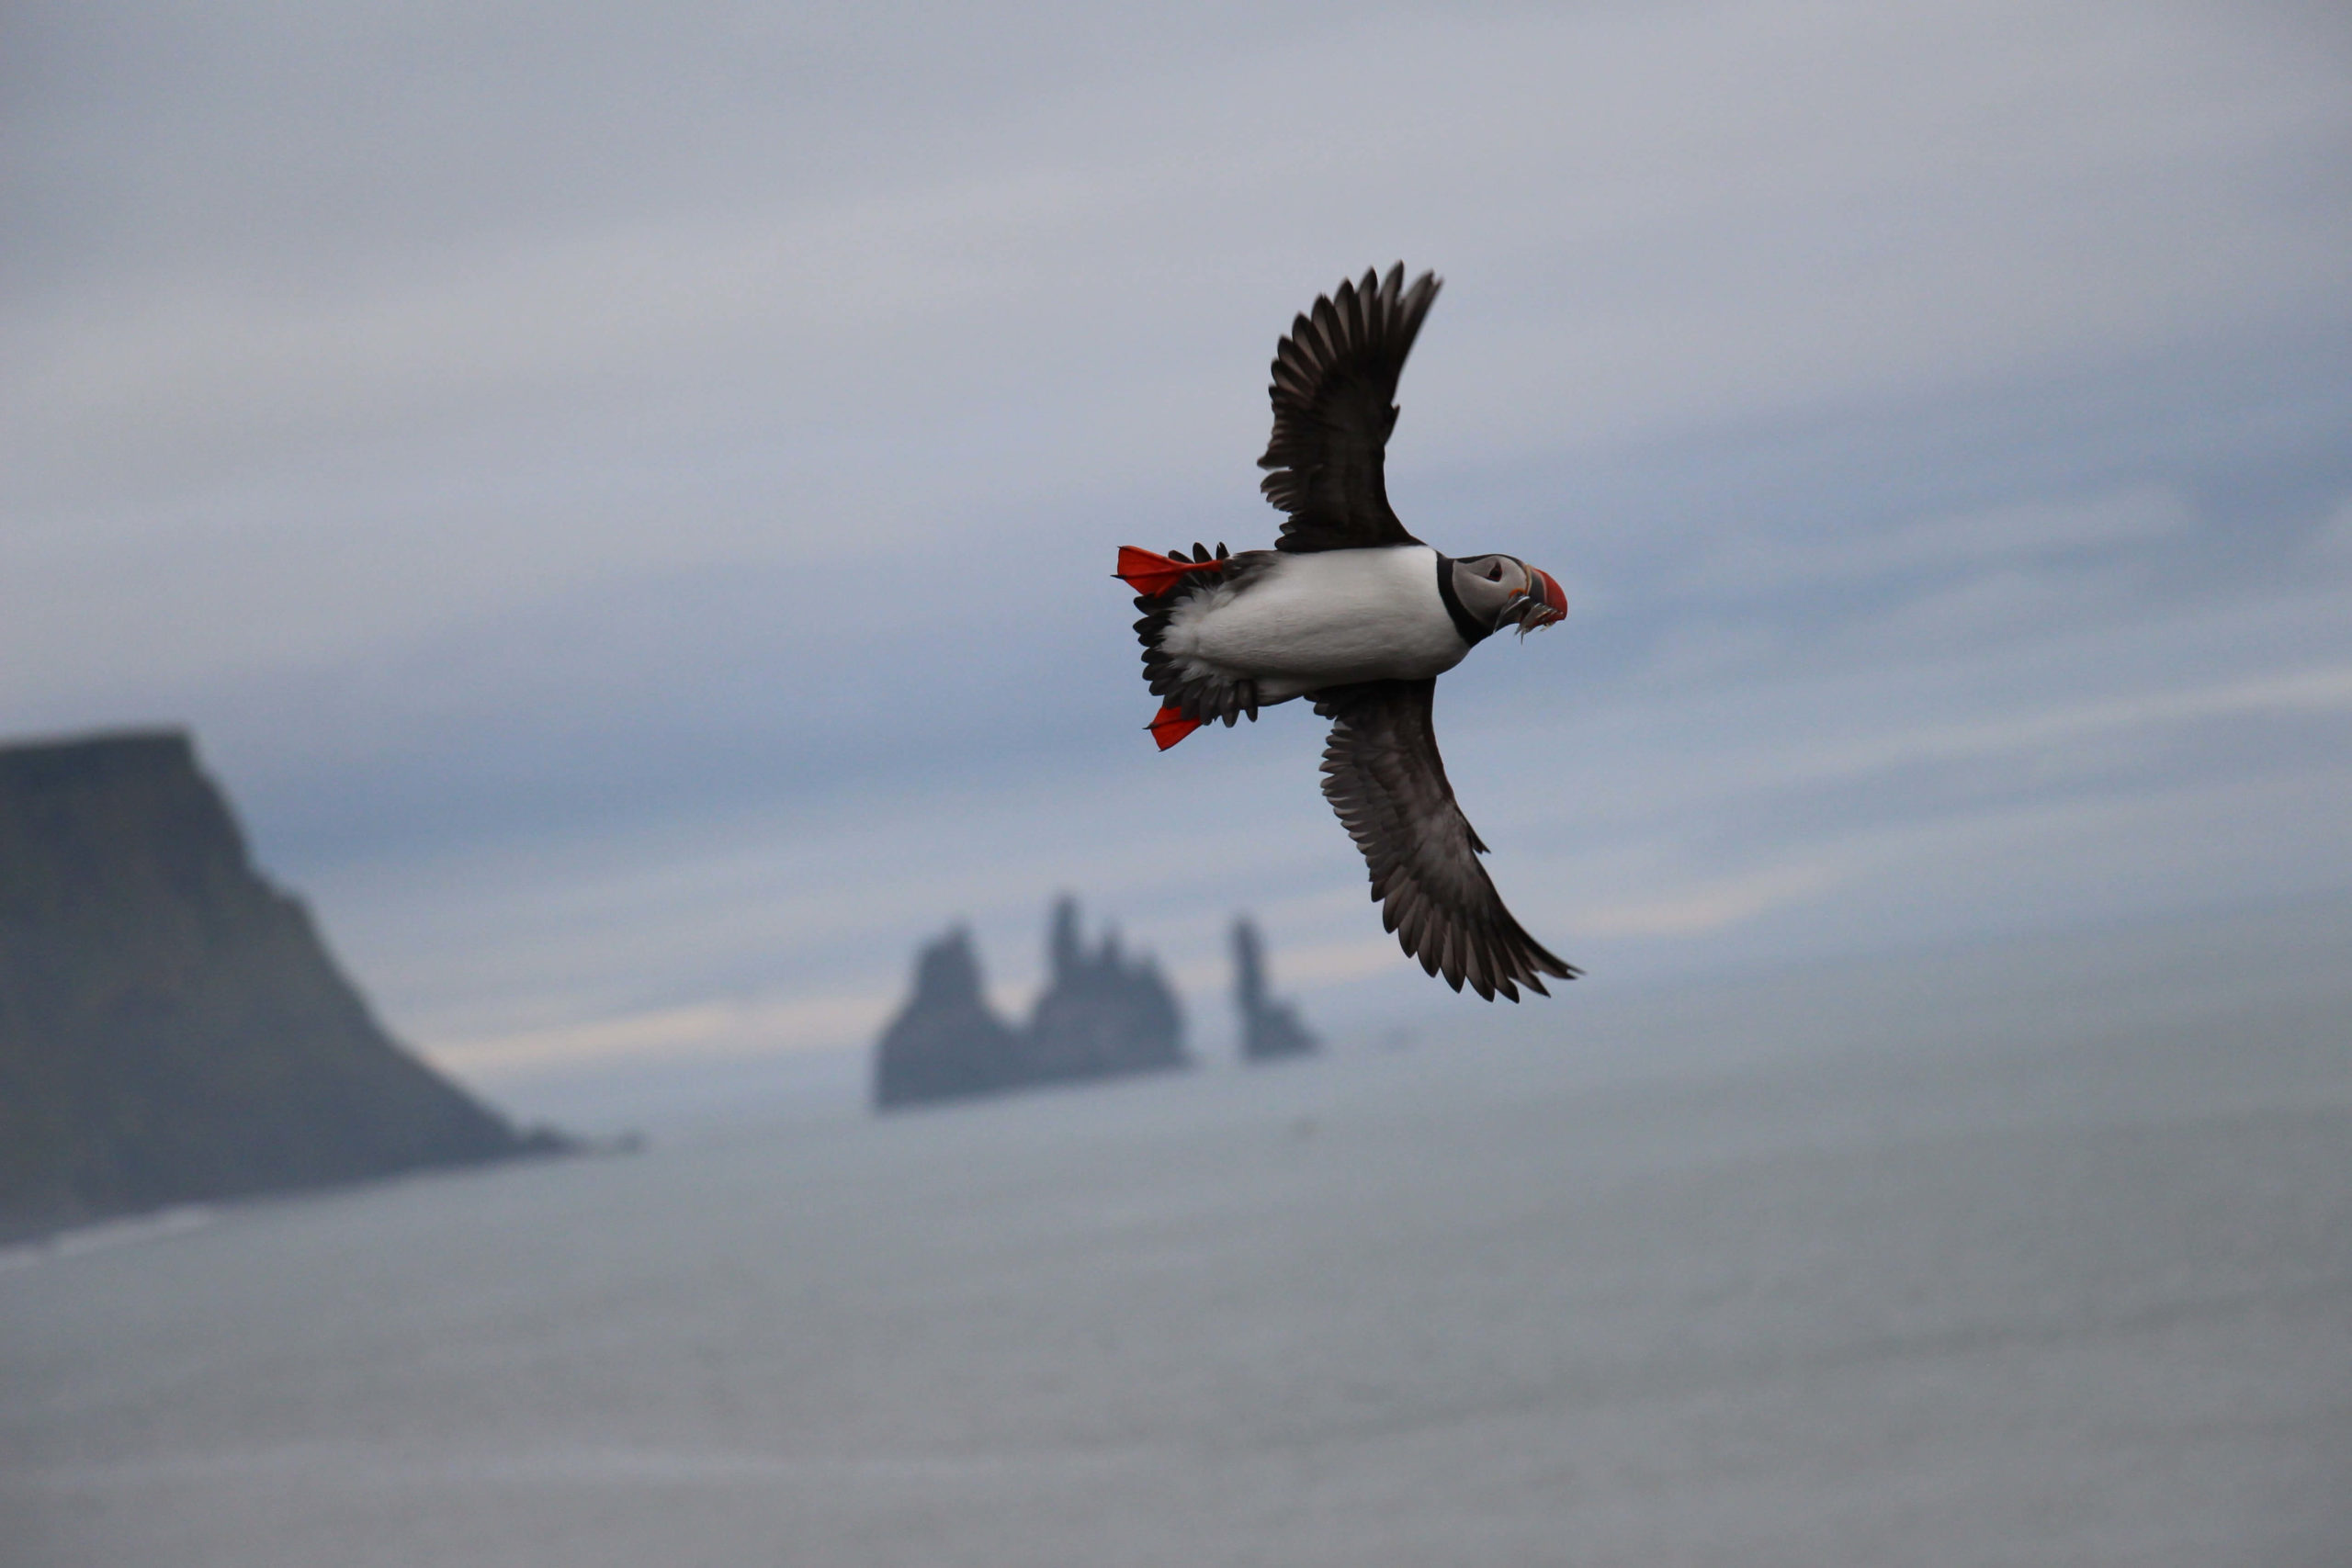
[1323,619]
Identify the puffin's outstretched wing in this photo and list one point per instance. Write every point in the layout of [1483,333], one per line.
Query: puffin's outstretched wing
[1382,776]
[1334,391]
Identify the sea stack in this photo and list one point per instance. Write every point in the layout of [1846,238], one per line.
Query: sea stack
[172,1028]
[946,1043]
[1100,1015]
[1269,1030]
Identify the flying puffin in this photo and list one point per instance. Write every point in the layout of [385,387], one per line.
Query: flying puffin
[1352,613]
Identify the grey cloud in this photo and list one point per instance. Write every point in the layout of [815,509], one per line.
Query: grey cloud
[620,444]
[2027,530]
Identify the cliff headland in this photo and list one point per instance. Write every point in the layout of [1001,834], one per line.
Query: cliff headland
[172,1028]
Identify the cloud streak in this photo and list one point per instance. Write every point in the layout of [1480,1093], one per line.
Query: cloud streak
[625,500]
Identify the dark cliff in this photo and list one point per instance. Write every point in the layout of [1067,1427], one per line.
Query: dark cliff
[1269,1030]
[172,1028]
[1100,1015]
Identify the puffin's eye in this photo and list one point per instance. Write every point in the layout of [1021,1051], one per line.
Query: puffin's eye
[1495,573]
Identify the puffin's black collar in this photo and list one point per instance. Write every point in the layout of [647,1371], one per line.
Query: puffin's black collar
[1472,632]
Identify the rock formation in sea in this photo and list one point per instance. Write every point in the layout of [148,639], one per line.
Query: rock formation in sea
[172,1029]
[1270,1029]
[1100,1015]
[945,1042]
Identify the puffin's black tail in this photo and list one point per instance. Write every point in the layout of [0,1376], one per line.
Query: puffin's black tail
[1190,696]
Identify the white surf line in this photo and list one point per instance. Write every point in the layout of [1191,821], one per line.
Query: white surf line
[107,1234]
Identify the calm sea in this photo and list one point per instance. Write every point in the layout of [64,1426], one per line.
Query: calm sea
[2035,1258]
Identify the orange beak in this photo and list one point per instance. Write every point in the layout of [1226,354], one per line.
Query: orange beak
[1553,599]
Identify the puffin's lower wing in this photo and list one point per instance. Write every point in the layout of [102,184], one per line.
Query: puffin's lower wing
[1382,776]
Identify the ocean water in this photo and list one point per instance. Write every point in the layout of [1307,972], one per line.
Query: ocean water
[2043,1258]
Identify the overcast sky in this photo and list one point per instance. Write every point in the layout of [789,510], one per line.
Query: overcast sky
[624,495]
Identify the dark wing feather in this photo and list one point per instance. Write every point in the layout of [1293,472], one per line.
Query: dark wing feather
[1382,776]
[1334,394]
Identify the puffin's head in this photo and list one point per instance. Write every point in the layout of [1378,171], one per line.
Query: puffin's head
[1502,590]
